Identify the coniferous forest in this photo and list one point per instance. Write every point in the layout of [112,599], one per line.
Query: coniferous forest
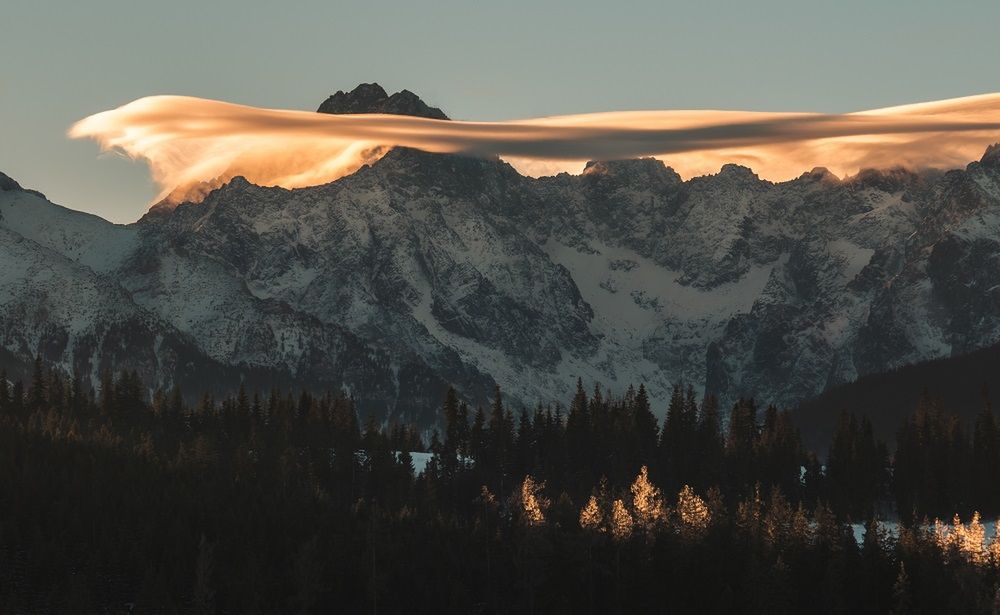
[114,501]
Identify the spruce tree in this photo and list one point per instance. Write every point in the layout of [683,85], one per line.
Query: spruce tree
[741,447]
[670,450]
[711,446]
[452,430]
[4,391]
[36,394]
[645,426]
[985,460]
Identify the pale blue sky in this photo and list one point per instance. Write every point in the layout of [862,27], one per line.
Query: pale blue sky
[64,60]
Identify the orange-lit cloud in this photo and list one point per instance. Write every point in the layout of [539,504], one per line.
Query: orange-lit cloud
[189,142]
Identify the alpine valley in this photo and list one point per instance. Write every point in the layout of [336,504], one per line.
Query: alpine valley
[423,270]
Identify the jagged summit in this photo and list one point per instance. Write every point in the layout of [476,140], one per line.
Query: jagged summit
[740,171]
[372,98]
[819,174]
[651,171]
[889,180]
[991,157]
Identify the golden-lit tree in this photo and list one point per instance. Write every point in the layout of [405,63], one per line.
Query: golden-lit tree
[971,539]
[749,513]
[941,534]
[692,512]
[533,503]
[621,521]
[964,540]
[591,518]
[777,523]
[993,550]
[486,509]
[647,501]
[802,530]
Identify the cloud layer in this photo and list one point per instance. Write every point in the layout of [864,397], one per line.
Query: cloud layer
[191,142]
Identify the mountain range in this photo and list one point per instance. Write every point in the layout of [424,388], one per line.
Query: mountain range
[424,270]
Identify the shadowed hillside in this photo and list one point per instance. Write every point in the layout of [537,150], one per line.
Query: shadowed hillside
[959,382]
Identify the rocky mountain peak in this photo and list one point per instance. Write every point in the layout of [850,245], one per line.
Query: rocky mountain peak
[372,98]
[238,182]
[887,180]
[737,171]
[991,158]
[632,169]
[819,174]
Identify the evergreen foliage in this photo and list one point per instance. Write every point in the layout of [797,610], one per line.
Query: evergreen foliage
[272,502]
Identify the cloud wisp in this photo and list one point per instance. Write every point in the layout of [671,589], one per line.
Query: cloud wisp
[190,143]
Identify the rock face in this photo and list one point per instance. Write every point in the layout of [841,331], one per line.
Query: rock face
[425,270]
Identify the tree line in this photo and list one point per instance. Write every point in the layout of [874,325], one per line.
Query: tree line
[116,501]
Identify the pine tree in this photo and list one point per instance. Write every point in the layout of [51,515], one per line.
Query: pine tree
[780,452]
[242,401]
[692,513]
[591,518]
[670,439]
[533,504]
[452,430]
[36,394]
[55,392]
[450,413]
[107,391]
[159,405]
[478,438]
[17,399]
[841,464]
[501,439]
[579,410]
[204,592]
[621,521]
[711,446]
[985,459]
[4,391]
[645,426]
[526,444]
[462,433]
[78,400]
[579,445]
[647,502]
[741,447]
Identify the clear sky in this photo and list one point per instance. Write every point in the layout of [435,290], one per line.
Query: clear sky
[65,60]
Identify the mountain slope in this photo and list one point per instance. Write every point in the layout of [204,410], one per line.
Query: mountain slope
[88,295]
[625,274]
[84,323]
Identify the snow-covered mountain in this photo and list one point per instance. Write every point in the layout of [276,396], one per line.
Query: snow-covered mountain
[424,269]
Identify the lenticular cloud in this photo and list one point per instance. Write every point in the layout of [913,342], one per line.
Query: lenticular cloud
[190,143]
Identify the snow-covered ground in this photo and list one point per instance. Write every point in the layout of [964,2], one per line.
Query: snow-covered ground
[84,238]
[420,461]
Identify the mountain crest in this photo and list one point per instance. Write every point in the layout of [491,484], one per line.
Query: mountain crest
[372,98]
